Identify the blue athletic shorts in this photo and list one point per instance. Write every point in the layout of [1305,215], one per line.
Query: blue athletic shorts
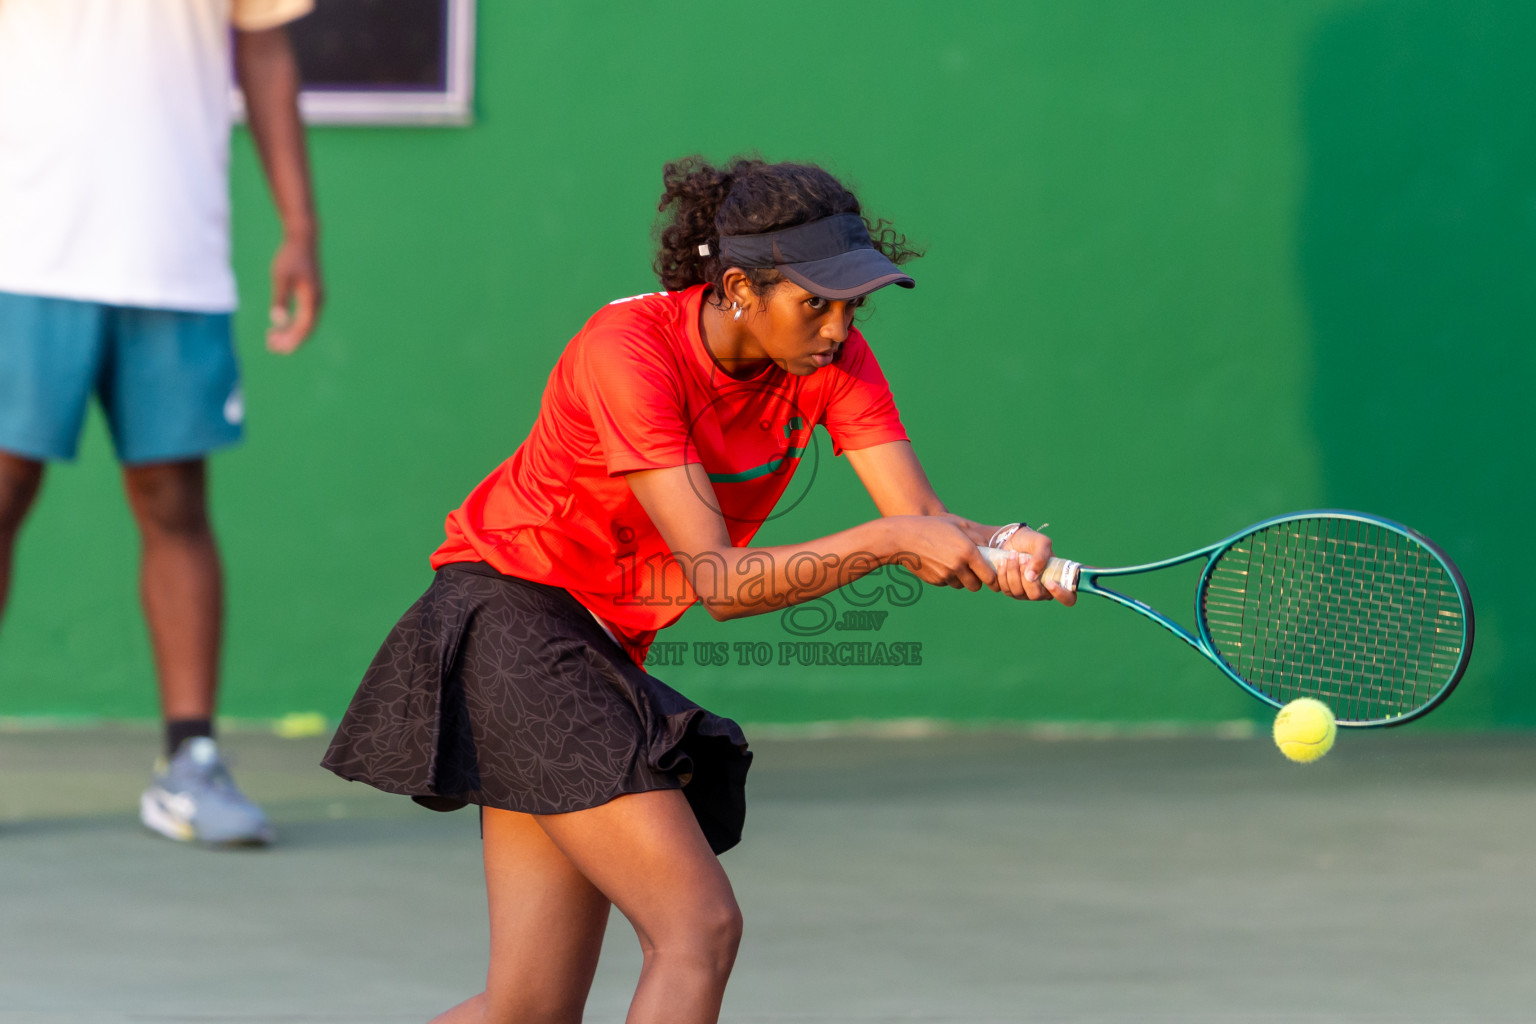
[168,381]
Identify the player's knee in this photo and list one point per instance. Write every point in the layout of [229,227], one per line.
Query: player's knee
[725,926]
[713,935]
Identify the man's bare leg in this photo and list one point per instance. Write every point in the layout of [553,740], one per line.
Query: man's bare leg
[182,587]
[20,479]
[181,583]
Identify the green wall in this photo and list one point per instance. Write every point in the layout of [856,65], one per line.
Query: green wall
[1189,264]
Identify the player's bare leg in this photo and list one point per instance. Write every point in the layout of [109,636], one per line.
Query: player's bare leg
[549,895]
[645,853]
[20,479]
[180,582]
[547,924]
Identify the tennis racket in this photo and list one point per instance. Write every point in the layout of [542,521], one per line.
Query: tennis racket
[1364,614]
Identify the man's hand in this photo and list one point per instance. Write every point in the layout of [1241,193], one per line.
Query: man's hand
[296,294]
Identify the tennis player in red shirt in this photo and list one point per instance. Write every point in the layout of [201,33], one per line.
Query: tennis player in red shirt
[669,428]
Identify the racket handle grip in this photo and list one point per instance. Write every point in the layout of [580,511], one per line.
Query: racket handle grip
[1058,570]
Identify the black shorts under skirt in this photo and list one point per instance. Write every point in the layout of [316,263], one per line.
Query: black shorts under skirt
[502,692]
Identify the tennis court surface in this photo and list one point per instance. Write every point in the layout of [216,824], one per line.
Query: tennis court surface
[971,878]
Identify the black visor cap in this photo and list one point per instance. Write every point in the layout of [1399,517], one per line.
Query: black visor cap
[832,257]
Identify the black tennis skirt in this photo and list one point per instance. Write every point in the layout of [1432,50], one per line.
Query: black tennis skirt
[502,692]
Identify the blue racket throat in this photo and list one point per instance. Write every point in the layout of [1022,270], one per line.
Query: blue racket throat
[1363,613]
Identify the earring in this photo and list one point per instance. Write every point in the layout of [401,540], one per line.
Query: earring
[737,307]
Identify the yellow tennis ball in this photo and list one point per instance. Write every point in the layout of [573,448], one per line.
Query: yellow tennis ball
[300,724]
[1304,730]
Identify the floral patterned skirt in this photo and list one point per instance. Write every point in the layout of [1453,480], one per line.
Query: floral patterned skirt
[502,692]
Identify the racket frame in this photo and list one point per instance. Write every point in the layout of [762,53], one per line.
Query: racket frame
[1085,579]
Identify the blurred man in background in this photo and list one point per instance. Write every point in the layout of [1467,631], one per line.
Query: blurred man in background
[115,280]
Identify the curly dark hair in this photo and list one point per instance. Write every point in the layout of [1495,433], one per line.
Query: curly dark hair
[747,196]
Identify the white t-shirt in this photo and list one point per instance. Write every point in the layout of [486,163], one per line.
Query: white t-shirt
[114,148]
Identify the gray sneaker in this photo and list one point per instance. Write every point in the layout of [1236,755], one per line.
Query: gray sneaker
[193,797]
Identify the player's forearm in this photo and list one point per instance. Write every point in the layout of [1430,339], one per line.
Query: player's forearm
[896,481]
[737,582]
[269,78]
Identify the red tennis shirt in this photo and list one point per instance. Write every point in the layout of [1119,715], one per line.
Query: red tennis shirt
[637,389]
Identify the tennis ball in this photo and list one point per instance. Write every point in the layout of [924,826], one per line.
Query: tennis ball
[1304,730]
[300,724]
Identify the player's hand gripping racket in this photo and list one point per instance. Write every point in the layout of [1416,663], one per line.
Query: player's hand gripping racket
[1362,613]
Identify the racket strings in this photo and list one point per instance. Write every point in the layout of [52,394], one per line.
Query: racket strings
[1361,617]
